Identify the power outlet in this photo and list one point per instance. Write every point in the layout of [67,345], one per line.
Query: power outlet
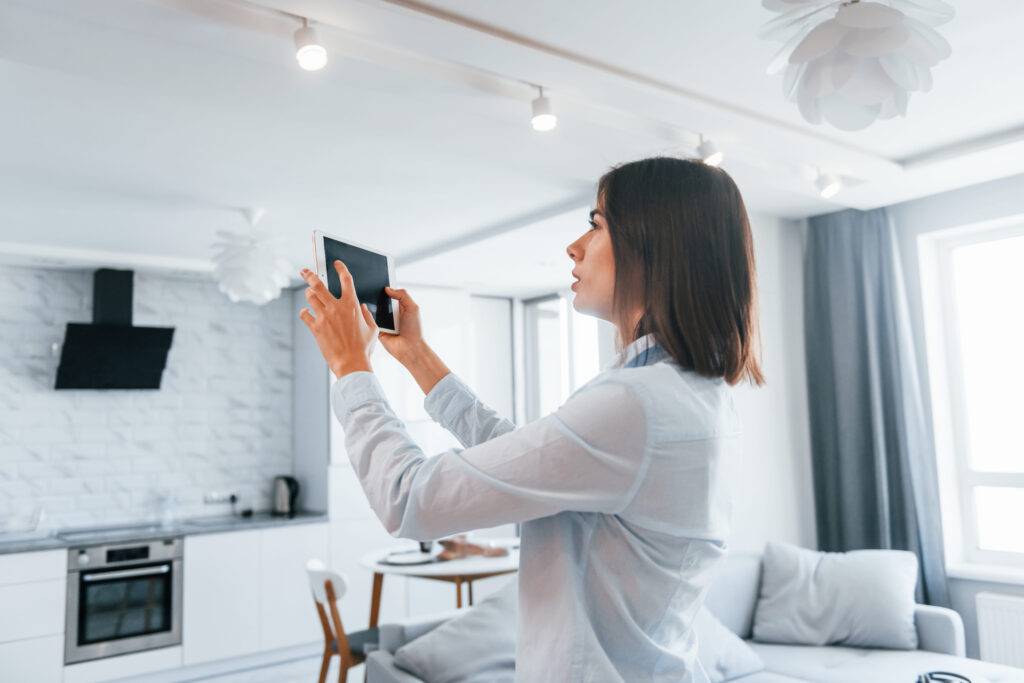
[214,497]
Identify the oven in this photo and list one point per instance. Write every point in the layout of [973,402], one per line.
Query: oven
[123,598]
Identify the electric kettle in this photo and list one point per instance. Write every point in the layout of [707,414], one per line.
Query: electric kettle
[283,496]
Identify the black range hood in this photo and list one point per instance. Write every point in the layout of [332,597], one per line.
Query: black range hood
[111,353]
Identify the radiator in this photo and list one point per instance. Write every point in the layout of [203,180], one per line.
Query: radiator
[1001,628]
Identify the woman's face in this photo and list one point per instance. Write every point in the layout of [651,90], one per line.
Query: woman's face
[593,268]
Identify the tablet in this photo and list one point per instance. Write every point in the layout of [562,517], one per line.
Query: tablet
[371,272]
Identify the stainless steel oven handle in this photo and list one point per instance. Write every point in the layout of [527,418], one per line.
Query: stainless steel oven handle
[127,573]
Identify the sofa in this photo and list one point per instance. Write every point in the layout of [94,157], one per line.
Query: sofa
[733,599]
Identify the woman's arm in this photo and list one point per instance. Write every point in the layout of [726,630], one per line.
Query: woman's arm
[455,407]
[451,403]
[590,455]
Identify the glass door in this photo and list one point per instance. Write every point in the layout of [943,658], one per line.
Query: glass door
[124,603]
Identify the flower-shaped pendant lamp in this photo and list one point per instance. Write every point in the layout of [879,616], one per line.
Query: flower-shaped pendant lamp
[852,62]
[248,264]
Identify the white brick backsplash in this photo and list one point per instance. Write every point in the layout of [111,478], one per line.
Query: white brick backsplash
[220,421]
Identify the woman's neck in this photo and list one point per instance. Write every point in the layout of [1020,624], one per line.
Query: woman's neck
[627,330]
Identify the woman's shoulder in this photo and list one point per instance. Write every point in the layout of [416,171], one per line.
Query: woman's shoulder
[679,404]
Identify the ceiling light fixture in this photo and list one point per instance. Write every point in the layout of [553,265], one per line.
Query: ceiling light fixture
[544,118]
[850,62]
[248,264]
[828,185]
[709,152]
[311,54]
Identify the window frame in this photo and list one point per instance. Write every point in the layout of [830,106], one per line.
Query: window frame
[531,312]
[958,480]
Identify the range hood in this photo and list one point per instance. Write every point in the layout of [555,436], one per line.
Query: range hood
[111,353]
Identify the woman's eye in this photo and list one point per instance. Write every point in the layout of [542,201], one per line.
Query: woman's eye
[593,225]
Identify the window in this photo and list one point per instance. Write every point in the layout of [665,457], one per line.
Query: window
[564,350]
[976,327]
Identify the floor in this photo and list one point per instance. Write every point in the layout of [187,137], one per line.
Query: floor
[305,670]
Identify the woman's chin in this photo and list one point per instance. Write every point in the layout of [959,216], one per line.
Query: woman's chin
[579,304]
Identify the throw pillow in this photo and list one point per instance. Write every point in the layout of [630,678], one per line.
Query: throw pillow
[863,598]
[476,646]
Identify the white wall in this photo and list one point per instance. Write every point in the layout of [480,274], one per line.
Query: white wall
[773,496]
[221,419]
[996,200]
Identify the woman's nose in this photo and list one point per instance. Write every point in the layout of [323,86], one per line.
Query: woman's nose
[573,251]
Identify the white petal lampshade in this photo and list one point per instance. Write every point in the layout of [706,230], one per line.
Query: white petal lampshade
[249,267]
[851,63]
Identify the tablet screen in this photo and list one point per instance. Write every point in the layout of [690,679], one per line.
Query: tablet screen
[370,273]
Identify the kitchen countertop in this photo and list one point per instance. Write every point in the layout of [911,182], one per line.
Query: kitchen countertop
[71,538]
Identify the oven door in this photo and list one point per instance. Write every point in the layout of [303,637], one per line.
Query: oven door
[120,610]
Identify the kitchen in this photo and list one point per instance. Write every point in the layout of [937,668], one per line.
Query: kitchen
[168,528]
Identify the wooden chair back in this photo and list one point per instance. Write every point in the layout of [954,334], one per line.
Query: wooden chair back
[328,587]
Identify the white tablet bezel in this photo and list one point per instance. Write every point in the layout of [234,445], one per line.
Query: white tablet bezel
[321,267]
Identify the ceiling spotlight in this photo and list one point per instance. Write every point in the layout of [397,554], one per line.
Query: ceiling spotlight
[828,185]
[709,152]
[544,118]
[311,54]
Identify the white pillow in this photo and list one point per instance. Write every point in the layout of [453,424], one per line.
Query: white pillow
[863,598]
[721,652]
[478,645]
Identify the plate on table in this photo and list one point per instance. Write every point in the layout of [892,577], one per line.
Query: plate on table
[408,557]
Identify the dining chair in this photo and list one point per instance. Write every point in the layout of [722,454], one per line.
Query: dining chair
[328,587]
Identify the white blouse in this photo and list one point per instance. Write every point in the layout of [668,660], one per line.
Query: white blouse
[622,496]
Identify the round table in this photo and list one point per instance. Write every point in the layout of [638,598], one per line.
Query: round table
[462,571]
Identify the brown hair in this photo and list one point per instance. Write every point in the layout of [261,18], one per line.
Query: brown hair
[684,255]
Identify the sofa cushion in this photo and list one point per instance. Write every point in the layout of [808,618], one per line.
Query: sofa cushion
[839,664]
[721,652]
[477,645]
[733,593]
[863,598]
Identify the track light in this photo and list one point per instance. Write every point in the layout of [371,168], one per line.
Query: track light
[544,118]
[311,54]
[709,152]
[828,185]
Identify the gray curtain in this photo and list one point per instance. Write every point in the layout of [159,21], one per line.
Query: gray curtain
[875,482]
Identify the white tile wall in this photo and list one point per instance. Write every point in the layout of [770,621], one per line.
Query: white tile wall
[220,421]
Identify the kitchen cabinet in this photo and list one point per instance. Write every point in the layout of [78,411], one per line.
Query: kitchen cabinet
[247,591]
[36,660]
[32,586]
[287,614]
[221,606]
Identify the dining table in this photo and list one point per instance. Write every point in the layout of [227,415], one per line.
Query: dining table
[460,571]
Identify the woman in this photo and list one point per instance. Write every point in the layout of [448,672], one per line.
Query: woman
[621,492]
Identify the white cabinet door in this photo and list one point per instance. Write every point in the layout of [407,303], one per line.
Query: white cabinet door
[287,614]
[36,660]
[221,596]
[31,610]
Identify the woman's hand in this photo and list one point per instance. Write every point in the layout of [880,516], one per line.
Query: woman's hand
[344,330]
[408,347]
[405,345]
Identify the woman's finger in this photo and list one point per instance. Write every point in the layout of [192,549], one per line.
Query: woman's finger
[347,284]
[316,284]
[319,306]
[368,317]
[403,297]
[307,318]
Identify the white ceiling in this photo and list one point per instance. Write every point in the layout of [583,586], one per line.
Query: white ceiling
[132,130]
